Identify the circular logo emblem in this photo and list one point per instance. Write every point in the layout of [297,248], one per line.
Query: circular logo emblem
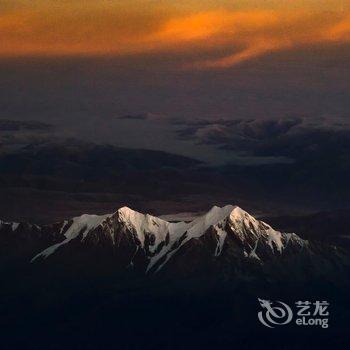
[274,313]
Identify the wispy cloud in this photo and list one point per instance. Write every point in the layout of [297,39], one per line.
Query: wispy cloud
[220,37]
[275,31]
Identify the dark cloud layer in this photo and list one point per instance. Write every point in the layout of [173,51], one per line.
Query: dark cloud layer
[292,138]
[16,125]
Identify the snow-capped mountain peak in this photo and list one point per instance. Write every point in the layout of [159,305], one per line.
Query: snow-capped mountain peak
[226,243]
[244,224]
[80,225]
[159,240]
[141,224]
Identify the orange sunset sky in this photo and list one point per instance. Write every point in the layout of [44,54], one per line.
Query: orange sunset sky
[232,31]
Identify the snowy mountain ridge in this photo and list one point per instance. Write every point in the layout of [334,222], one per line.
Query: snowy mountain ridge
[160,240]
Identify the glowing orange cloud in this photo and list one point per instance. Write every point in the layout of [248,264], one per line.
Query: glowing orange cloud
[112,29]
[276,31]
[340,31]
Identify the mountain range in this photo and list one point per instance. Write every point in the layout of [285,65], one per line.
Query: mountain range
[226,242]
[138,281]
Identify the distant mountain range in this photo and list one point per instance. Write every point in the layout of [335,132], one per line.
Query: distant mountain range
[226,241]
